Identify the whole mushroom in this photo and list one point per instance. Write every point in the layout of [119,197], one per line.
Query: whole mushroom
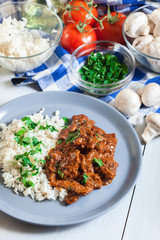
[140,42]
[151,24]
[127,102]
[156,31]
[155,16]
[153,127]
[152,48]
[137,25]
[150,94]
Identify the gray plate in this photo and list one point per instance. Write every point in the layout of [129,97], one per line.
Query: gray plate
[128,155]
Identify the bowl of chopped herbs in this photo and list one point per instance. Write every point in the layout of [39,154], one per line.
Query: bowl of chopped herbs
[103,69]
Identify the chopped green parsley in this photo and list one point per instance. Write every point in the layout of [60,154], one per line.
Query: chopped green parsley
[85,177]
[72,136]
[29,123]
[98,162]
[60,173]
[50,127]
[100,139]
[66,120]
[59,141]
[103,69]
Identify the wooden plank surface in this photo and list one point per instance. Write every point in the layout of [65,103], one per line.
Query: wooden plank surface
[92,230]
[144,216]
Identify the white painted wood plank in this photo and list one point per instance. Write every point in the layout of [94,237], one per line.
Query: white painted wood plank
[99,228]
[9,91]
[12,229]
[144,217]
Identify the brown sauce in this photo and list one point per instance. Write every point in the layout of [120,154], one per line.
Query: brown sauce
[83,159]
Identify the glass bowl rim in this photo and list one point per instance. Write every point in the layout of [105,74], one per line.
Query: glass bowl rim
[126,40]
[118,86]
[125,49]
[44,7]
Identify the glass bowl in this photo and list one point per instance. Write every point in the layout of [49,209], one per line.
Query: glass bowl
[149,62]
[80,55]
[42,23]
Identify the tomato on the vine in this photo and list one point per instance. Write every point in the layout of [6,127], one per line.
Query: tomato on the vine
[112,31]
[72,38]
[78,13]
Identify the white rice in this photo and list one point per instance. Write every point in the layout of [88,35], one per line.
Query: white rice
[18,41]
[9,148]
[17,44]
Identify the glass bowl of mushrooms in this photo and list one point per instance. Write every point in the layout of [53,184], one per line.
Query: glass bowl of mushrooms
[141,31]
[101,67]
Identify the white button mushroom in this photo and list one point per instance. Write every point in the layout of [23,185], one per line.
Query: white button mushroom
[155,16]
[137,25]
[140,42]
[127,102]
[150,94]
[153,127]
[153,48]
[151,24]
[156,31]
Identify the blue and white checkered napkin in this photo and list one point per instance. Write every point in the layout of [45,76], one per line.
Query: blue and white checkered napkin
[120,5]
[54,75]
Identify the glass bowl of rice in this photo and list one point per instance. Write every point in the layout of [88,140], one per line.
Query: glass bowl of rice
[102,67]
[29,34]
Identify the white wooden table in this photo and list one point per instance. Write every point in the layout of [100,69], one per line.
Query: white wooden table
[136,218]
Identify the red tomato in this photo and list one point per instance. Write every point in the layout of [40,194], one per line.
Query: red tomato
[72,38]
[111,31]
[80,14]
